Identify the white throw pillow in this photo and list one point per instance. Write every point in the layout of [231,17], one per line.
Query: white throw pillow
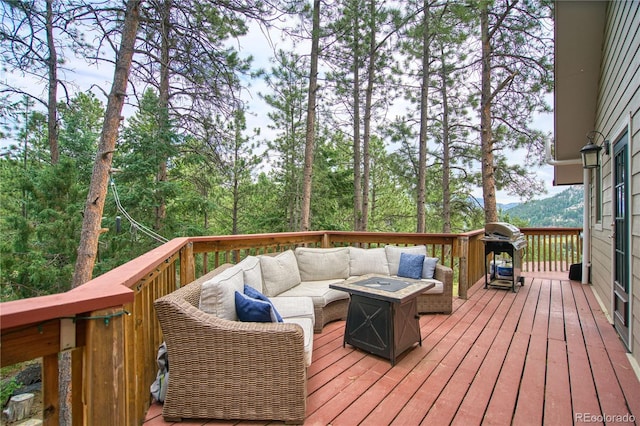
[317,264]
[368,261]
[393,255]
[218,294]
[429,267]
[252,272]
[279,273]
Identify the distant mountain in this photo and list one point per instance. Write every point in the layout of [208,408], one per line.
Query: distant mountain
[563,209]
[509,206]
[503,207]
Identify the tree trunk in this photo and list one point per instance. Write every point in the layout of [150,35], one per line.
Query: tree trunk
[52,103]
[94,206]
[357,158]
[424,112]
[25,152]
[366,160]
[486,135]
[446,155]
[163,98]
[311,117]
[293,173]
[236,172]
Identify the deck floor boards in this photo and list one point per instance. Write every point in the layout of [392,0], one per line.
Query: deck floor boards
[545,354]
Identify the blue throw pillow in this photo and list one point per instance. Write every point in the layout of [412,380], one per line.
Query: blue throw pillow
[411,265]
[255,294]
[252,310]
[429,268]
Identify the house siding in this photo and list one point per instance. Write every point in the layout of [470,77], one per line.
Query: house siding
[619,111]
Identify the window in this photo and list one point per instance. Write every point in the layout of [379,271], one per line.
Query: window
[597,189]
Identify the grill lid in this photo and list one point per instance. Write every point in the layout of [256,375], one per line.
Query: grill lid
[502,231]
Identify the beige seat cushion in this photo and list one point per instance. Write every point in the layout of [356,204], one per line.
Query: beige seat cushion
[316,264]
[318,291]
[294,307]
[437,289]
[307,329]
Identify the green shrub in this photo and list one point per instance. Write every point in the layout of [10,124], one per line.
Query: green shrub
[7,387]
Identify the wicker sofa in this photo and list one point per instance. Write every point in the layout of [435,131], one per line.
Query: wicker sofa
[227,369]
[320,267]
[223,369]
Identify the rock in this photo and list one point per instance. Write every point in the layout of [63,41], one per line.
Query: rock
[29,375]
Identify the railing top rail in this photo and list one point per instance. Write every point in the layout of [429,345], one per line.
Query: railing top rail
[285,235]
[541,230]
[551,231]
[110,289]
[473,233]
[275,235]
[381,235]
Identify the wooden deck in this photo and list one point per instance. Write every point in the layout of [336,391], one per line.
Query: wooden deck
[543,355]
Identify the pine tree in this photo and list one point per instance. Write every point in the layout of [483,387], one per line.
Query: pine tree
[286,150]
[147,143]
[516,74]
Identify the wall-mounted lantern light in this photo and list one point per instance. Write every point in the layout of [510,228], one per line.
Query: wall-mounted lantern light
[590,156]
[591,151]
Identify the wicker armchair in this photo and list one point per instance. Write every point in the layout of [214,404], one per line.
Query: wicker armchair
[223,369]
[438,303]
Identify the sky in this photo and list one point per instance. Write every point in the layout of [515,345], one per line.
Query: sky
[261,46]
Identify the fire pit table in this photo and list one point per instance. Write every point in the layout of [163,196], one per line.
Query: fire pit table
[382,318]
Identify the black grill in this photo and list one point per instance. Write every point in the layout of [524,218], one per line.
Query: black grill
[504,246]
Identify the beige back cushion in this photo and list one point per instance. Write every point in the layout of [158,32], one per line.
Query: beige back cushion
[218,294]
[393,255]
[368,261]
[279,273]
[317,264]
[252,273]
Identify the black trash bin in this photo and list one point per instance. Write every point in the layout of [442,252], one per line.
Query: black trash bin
[575,272]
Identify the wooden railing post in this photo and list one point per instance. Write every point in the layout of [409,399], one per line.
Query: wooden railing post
[104,386]
[187,265]
[463,274]
[50,396]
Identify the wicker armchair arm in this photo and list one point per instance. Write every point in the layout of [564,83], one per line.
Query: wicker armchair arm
[445,275]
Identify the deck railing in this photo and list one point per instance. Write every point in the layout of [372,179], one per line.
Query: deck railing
[552,249]
[109,328]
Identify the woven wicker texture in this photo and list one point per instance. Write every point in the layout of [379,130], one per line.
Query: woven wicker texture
[438,303]
[336,310]
[230,370]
